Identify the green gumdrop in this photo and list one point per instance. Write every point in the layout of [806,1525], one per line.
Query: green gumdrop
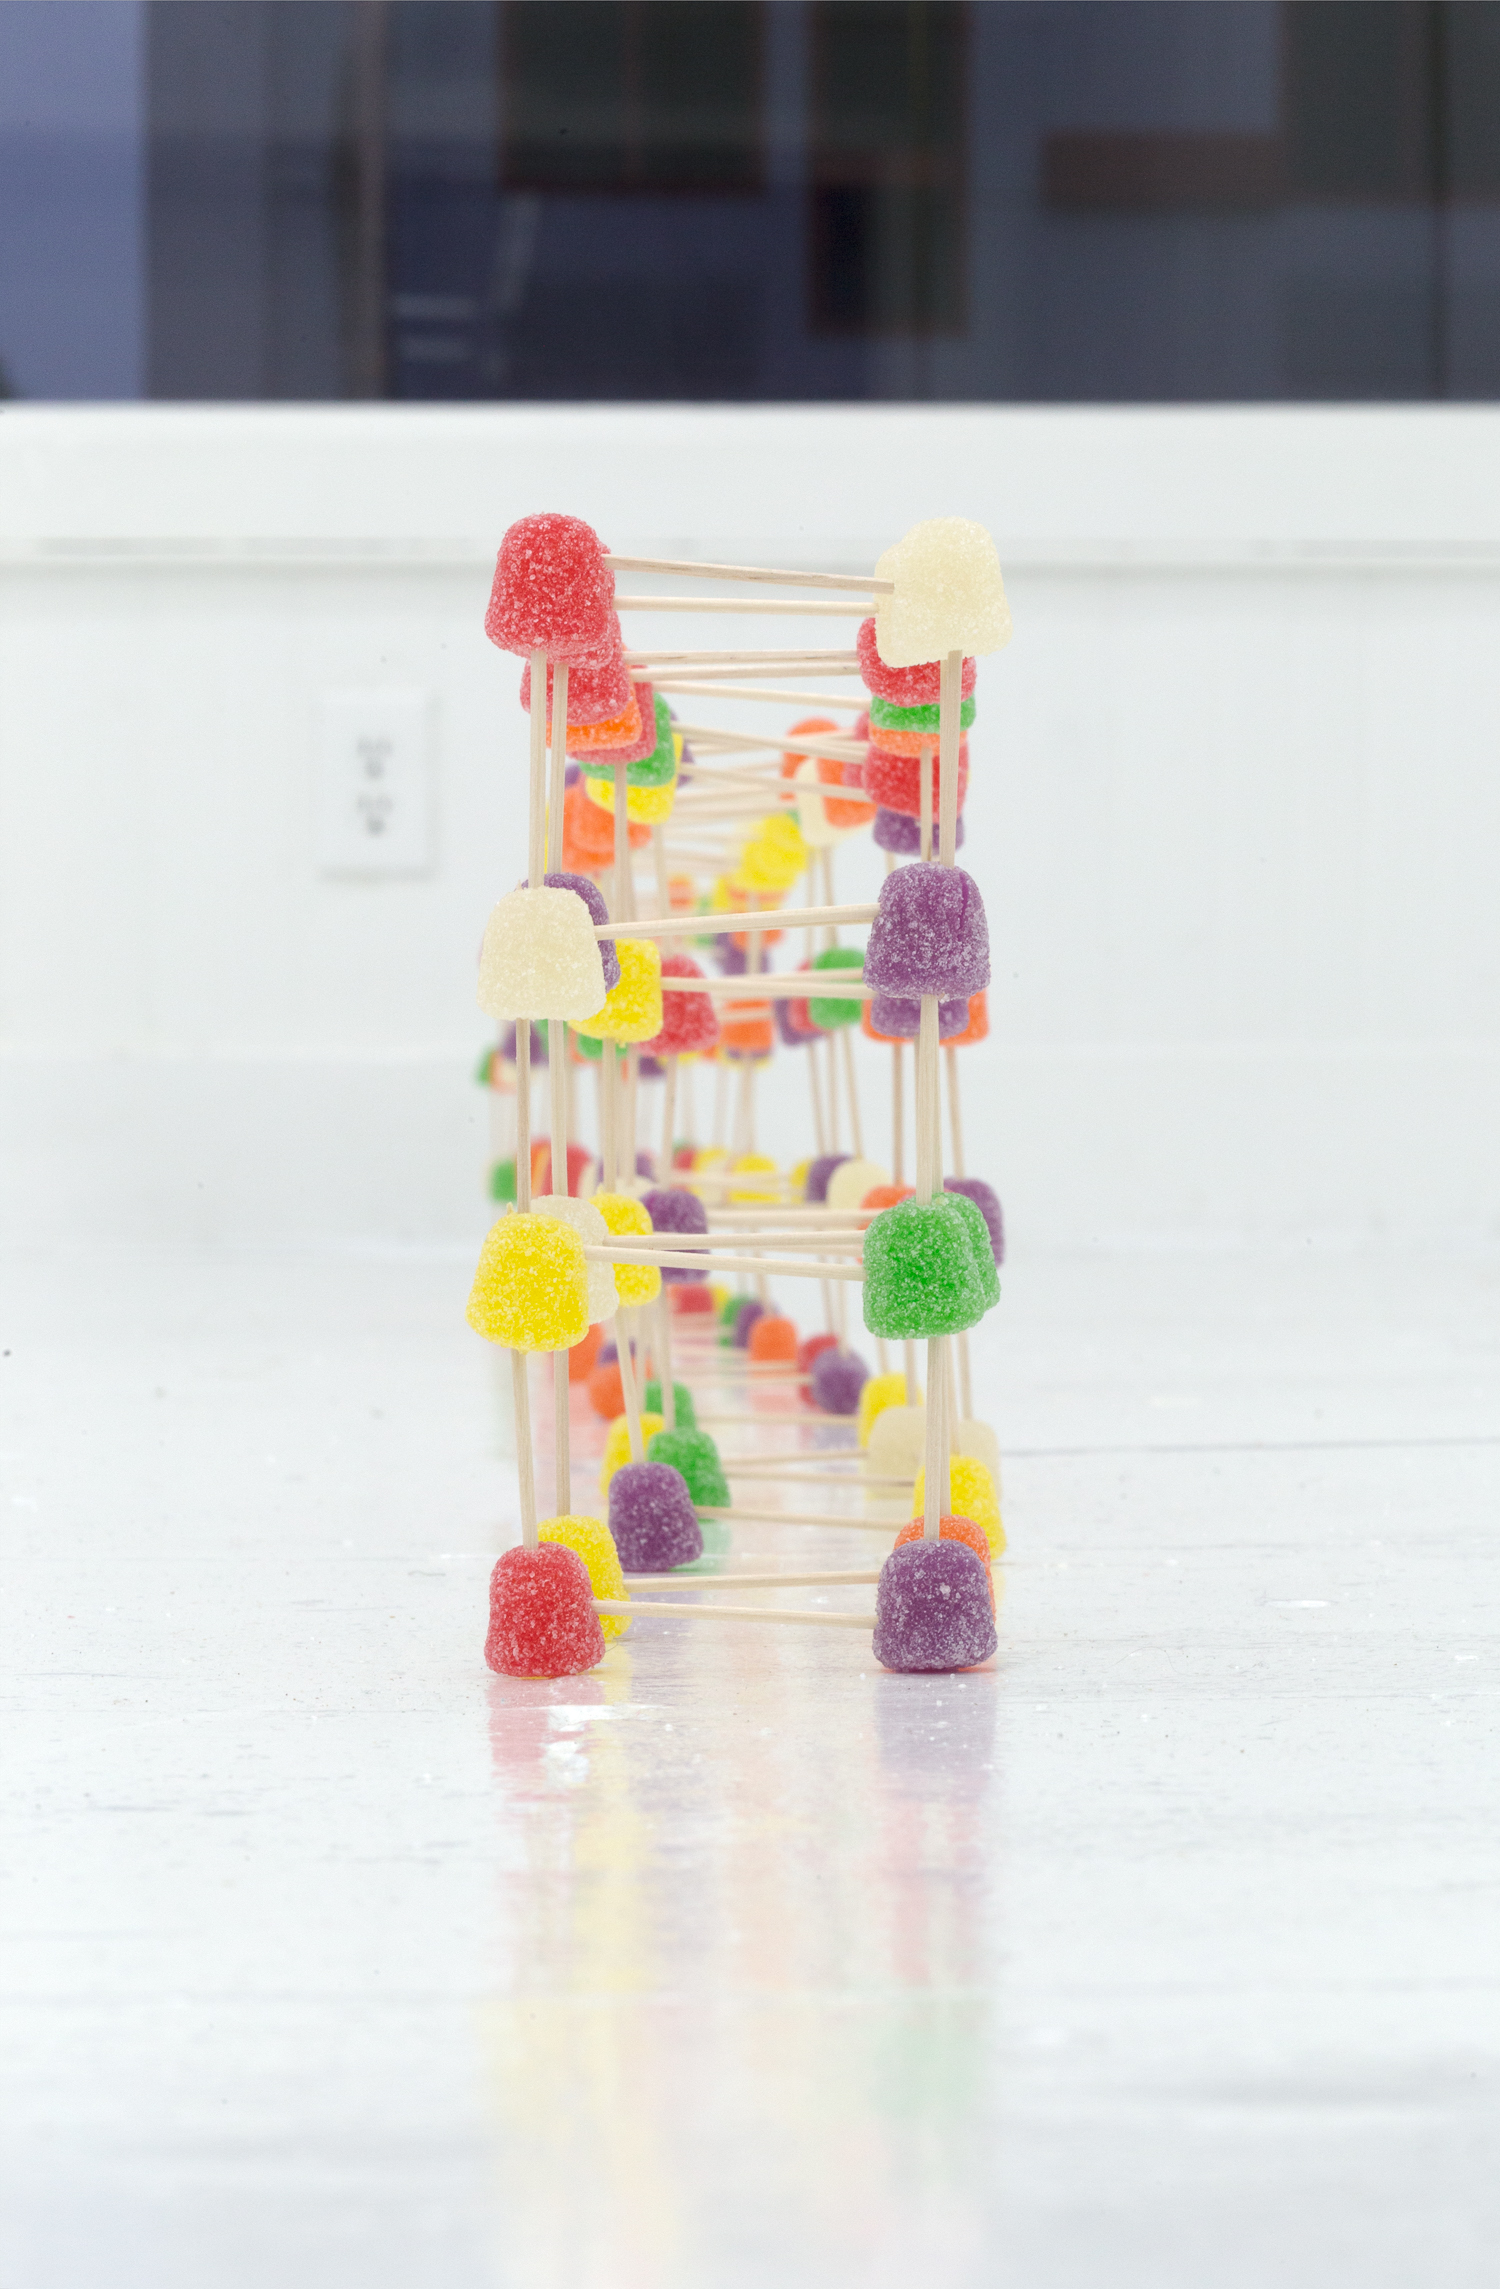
[581,1041]
[921,1276]
[830,1011]
[482,1069]
[889,715]
[659,767]
[977,1231]
[696,1456]
[503,1180]
[729,1309]
[687,1420]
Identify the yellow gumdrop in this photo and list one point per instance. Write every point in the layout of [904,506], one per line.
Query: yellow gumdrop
[708,1157]
[632,1010]
[531,1287]
[626,1218]
[876,1394]
[749,1164]
[617,1445]
[592,1540]
[718,1295]
[648,806]
[798,1178]
[973,1496]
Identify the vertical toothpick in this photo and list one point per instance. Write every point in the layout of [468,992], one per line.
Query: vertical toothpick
[924,798]
[537,811]
[523,1114]
[928,1145]
[624,873]
[628,1385]
[608,1077]
[557,1069]
[932,1459]
[557,788]
[664,1360]
[852,1087]
[965,1382]
[955,1117]
[950,703]
[659,854]
[525,1471]
[949,1420]
[909,1370]
[898,1119]
[668,1123]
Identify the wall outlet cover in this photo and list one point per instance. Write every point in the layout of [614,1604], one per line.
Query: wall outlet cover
[374,782]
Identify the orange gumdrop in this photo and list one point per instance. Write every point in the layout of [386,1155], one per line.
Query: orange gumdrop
[606,1391]
[748,1031]
[839,812]
[978,1026]
[955,1530]
[582,1356]
[773,1337]
[886,1195]
[589,833]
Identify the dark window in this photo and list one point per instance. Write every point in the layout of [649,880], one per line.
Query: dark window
[887,225]
[1361,104]
[632,95]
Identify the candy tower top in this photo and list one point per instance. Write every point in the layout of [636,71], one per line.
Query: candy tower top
[553,591]
[948,594]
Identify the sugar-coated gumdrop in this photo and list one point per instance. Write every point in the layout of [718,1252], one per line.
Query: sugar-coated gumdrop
[582,1356]
[553,591]
[601,746]
[892,1017]
[540,957]
[820,831]
[644,806]
[819,1174]
[659,768]
[934,1608]
[973,1495]
[829,1011]
[697,1457]
[811,1347]
[598,687]
[978,1027]
[672,1208]
[687,1413]
[901,746]
[628,1219]
[692,1302]
[652,1519]
[594,1233]
[878,1393]
[590,1539]
[612,733]
[617,1445]
[542,1618]
[953,1529]
[632,1010]
[852,1179]
[921,1278]
[729,1308]
[924,721]
[531,1285]
[972,1437]
[579,1159]
[593,898]
[838,1377]
[688,1023]
[503,1180]
[987,1200]
[919,684]
[773,1337]
[794,1030]
[929,935]
[898,1440]
[589,832]
[900,832]
[606,1391]
[895,783]
[977,1233]
[754,1164]
[744,1320]
[885,1196]
[949,595]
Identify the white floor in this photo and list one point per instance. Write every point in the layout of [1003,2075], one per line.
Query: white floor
[1163,1955]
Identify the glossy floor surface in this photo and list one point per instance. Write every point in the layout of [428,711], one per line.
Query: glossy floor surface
[1163,1952]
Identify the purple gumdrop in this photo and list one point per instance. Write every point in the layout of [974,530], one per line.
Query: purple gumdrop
[901,834]
[572,775]
[650,1069]
[837,1379]
[593,899]
[673,1209]
[538,1045]
[744,1319]
[606,1355]
[929,935]
[816,1187]
[652,1519]
[987,1200]
[933,1608]
[733,961]
[645,1165]
[893,1013]
[790,1037]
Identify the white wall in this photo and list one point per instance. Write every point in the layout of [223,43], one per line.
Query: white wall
[1235,803]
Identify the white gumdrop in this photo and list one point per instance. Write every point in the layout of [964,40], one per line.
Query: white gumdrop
[949,594]
[852,1179]
[812,812]
[898,1441]
[972,1437]
[540,957]
[604,1299]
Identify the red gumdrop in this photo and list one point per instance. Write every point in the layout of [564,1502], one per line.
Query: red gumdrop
[691,1301]
[598,687]
[955,1530]
[773,1338]
[553,591]
[809,1347]
[688,1019]
[606,1391]
[918,686]
[542,1618]
[582,1356]
[895,781]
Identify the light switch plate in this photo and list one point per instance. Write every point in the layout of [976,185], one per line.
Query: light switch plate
[374,785]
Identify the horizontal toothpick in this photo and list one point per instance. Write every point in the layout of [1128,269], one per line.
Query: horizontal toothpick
[790,1517]
[710,688]
[784,605]
[830,1580]
[725,925]
[861,583]
[829,743]
[779,1267]
[634,1606]
[702,662]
